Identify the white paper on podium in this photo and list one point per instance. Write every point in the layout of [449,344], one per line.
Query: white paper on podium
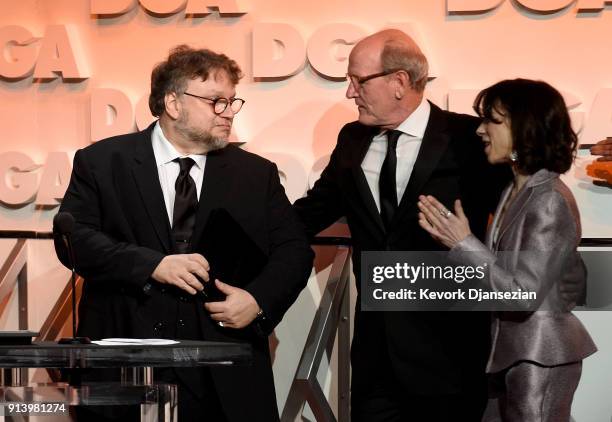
[134,342]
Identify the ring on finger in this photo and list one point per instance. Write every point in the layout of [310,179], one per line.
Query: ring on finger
[445,213]
[221,324]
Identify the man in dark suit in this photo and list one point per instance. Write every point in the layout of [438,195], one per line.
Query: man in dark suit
[141,200]
[407,366]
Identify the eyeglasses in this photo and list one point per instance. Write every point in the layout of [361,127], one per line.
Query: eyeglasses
[358,81]
[221,103]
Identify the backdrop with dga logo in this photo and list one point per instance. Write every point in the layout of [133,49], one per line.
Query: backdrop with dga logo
[75,71]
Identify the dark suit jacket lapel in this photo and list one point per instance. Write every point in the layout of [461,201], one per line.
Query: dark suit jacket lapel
[147,180]
[215,185]
[435,142]
[361,148]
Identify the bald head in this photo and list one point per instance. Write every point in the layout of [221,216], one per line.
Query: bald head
[379,39]
[387,75]
[392,49]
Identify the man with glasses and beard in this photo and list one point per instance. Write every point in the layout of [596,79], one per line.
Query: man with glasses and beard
[140,202]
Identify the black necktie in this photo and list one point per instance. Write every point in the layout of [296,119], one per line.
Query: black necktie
[185,206]
[387,183]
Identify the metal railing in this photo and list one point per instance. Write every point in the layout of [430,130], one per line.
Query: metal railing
[14,272]
[332,315]
[60,313]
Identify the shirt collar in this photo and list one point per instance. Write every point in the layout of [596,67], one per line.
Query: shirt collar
[165,152]
[415,124]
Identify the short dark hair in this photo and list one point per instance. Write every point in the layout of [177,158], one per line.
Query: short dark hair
[186,63]
[542,133]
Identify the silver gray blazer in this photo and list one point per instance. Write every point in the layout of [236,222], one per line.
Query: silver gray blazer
[539,236]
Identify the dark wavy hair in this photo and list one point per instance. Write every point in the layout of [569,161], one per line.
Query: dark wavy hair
[186,63]
[542,133]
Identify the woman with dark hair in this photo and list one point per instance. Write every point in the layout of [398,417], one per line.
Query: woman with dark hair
[537,352]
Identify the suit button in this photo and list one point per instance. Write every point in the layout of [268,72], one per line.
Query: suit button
[158,326]
[183,298]
[163,290]
[181,323]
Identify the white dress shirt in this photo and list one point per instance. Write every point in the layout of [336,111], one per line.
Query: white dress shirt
[408,146]
[168,170]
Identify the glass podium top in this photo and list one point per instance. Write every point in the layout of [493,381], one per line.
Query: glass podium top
[187,353]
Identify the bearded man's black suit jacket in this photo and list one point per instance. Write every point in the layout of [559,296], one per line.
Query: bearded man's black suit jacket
[122,232]
[428,353]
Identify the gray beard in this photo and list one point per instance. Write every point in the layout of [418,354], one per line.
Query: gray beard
[200,137]
[205,139]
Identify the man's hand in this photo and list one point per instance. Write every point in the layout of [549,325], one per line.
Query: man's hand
[238,309]
[603,148]
[180,270]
